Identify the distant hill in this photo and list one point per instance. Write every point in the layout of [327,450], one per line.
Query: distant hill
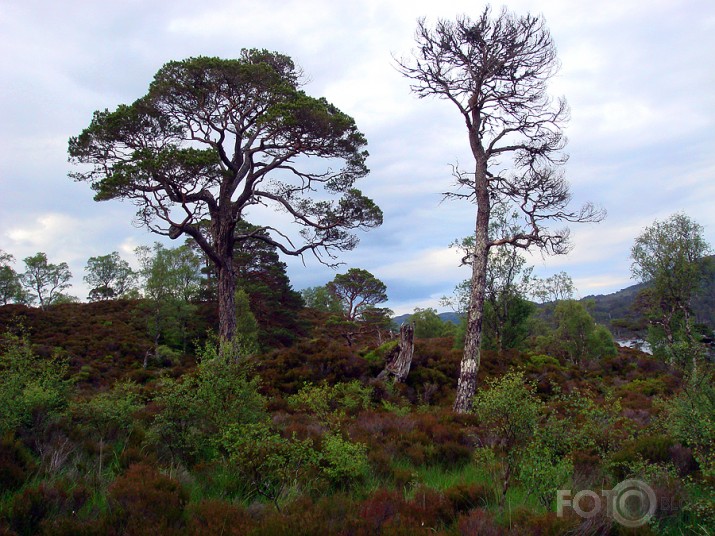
[615,310]
[452,317]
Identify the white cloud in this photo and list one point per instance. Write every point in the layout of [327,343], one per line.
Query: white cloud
[48,232]
[436,265]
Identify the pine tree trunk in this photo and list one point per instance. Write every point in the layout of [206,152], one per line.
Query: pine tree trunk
[226,302]
[400,359]
[467,384]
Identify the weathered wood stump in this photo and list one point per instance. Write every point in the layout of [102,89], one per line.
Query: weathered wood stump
[399,359]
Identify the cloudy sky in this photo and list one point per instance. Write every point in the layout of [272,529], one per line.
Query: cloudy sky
[638,76]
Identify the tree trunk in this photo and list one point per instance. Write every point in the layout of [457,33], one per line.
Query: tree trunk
[467,384]
[400,359]
[226,301]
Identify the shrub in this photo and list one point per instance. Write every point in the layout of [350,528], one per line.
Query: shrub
[428,509]
[344,462]
[379,508]
[480,522]
[510,412]
[110,414]
[267,462]
[144,502]
[691,419]
[546,524]
[590,426]
[541,361]
[33,389]
[452,454]
[543,472]
[36,505]
[195,410]
[654,449]
[329,403]
[16,464]
[211,517]
[466,497]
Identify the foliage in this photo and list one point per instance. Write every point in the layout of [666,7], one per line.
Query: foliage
[344,462]
[171,279]
[588,424]
[321,299]
[506,322]
[10,285]
[508,280]
[33,390]
[668,255]
[110,414]
[691,418]
[16,463]
[45,281]
[542,471]
[429,325]
[109,276]
[194,411]
[38,508]
[268,462]
[262,276]
[509,412]
[336,451]
[329,403]
[555,288]
[576,337]
[145,501]
[508,409]
[186,153]
[246,324]
[357,290]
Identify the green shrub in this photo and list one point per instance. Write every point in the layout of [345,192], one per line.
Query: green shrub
[33,390]
[651,449]
[691,418]
[267,462]
[542,472]
[647,386]
[196,409]
[541,361]
[345,463]
[329,403]
[588,425]
[110,415]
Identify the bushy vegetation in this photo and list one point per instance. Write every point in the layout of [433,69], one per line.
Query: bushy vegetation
[303,439]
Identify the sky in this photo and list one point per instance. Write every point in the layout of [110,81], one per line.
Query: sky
[638,77]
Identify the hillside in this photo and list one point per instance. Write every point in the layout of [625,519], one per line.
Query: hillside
[302,438]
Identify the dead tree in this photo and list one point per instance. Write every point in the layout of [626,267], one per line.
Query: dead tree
[399,359]
[495,71]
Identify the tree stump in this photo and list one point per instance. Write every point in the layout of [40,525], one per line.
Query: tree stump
[399,359]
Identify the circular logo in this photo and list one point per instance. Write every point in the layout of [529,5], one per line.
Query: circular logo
[634,503]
